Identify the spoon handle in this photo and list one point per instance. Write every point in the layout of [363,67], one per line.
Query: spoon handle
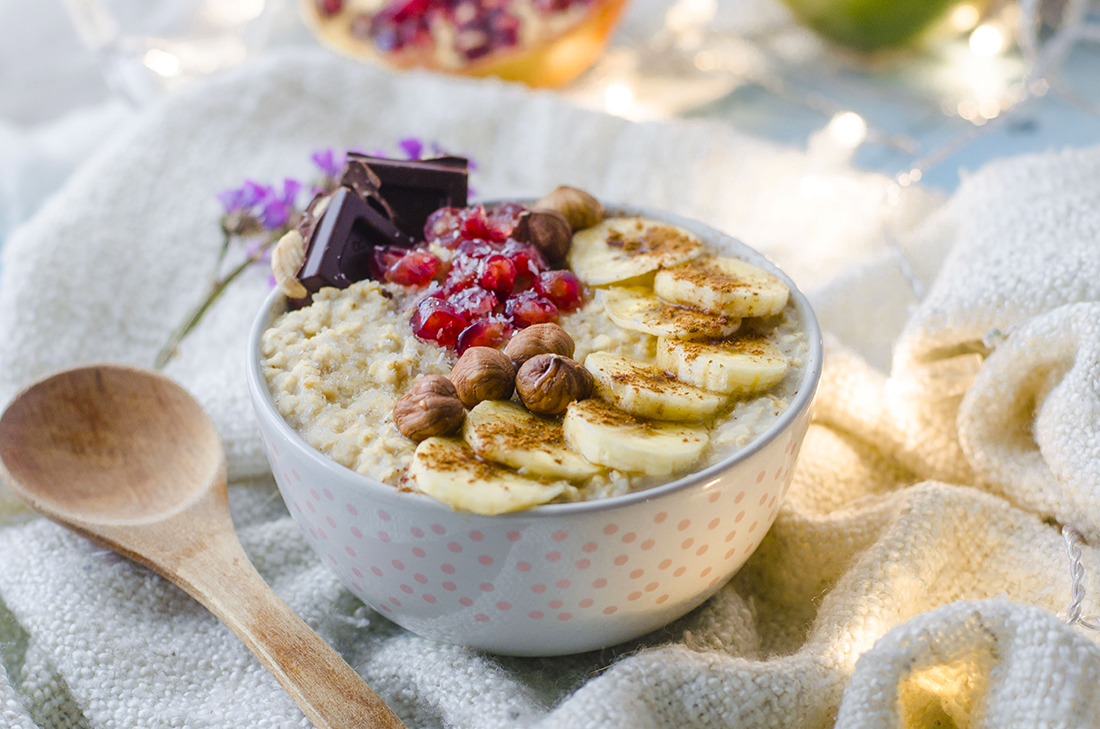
[324,686]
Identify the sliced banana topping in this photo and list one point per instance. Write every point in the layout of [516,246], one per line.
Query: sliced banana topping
[741,365]
[620,249]
[639,310]
[724,286]
[448,471]
[608,436]
[646,391]
[508,433]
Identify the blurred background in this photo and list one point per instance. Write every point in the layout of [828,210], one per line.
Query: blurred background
[920,90]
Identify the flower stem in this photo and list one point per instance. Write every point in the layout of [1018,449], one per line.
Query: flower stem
[217,287]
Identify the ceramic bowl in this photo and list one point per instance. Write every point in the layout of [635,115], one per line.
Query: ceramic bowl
[558,578]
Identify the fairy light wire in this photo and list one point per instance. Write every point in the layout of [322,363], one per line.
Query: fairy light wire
[1072,539]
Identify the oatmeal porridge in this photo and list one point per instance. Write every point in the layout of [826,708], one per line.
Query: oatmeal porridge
[671,355]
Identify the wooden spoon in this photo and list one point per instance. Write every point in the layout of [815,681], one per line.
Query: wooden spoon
[128,459]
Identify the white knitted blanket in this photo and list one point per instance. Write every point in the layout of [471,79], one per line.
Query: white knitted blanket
[912,578]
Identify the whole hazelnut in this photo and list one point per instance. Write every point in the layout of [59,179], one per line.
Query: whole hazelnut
[579,208]
[548,338]
[431,407]
[547,230]
[483,373]
[547,383]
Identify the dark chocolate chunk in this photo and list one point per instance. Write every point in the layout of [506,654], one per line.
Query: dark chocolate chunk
[312,215]
[343,243]
[361,178]
[414,189]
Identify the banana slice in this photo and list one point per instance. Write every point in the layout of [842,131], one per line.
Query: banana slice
[508,433]
[619,249]
[646,391]
[742,364]
[637,309]
[606,435]
[448,471]
[723,286]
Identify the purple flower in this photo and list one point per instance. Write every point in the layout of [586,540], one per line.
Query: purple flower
[329,161]
[246,197]
[231,200]
[412,147]
[276,210]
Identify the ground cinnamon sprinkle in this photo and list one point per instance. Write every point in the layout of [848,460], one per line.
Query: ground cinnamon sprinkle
[441,458]
[538,434]
[659,238]
[602,413]
[659,380]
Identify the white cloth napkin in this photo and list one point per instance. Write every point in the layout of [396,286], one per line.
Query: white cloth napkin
[879,599]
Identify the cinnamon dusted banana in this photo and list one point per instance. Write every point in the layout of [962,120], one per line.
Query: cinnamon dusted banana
[646,391]
[722,285]
[448,471]
[740,365]
[638,309]
[620,249]
[507,433]
[606,435]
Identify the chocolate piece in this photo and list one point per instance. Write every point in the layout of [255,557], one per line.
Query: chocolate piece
[415,189]
[342,245]
[361,178]
[312,215]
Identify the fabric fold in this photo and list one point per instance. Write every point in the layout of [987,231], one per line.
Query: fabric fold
[913,550]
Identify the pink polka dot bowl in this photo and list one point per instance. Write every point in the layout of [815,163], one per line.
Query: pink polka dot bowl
[555,579]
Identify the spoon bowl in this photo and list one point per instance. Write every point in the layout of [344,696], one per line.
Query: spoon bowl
[129,459]
[88,445]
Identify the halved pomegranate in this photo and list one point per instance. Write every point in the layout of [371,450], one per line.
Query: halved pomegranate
[540,42]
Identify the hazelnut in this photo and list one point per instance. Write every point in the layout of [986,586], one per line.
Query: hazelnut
[547,383]
[431,407]
[579,208]
[547,230]
[483,373]
[546,338]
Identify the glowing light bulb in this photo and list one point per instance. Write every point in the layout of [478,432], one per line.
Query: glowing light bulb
[161,62]
[848,129]
[986,41]
[618,98]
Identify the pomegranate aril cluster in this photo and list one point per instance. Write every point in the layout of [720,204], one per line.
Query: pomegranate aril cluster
[492,286]
[479,26]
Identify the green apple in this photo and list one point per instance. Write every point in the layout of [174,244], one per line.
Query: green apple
[870,25]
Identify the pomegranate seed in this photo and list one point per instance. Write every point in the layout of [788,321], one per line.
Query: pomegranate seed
[498,273]
[437,320]
[415,269]
[473,302]
[483,333]
[402,10]
[506,215]
[443,226]
[477,226]
[563,288]
[476,248]
[523,283]
[383,258]
[527,258]
[330,7]
[529,308]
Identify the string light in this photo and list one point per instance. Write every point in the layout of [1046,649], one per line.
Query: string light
[848,129]
[986,41]
[618,98]
[964,17]
[161,62]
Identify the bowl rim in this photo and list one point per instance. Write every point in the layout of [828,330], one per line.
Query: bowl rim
[802,400]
